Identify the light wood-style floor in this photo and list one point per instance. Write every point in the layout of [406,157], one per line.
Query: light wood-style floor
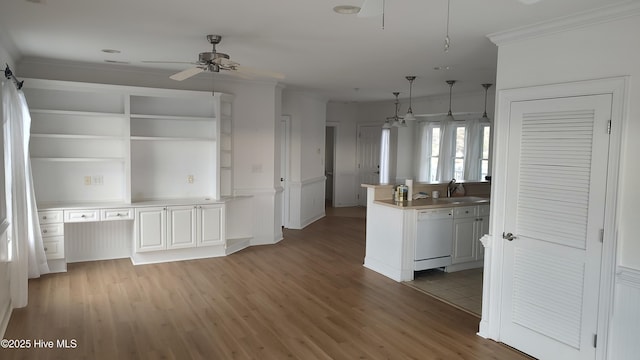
[308,297]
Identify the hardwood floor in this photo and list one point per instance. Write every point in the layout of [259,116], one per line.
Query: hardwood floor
[308,297]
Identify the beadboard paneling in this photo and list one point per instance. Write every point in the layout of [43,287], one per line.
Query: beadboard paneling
[625,325]
[98,240]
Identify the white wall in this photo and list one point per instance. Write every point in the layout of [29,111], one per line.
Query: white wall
[255,107]
[5,285]
[606,49]
[307,180]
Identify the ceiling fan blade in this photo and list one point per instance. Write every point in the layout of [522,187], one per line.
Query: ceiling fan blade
[185,74]
[371,8]
[259,72]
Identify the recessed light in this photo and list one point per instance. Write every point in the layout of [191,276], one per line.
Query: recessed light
[346,9]
[111,51]
[446,67]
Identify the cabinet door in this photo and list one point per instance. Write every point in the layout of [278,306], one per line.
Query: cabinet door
[181,228]
[482,228]
[464,249]
[210,225]
[150,229]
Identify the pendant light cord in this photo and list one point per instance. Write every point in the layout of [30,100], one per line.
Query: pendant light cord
[447,41]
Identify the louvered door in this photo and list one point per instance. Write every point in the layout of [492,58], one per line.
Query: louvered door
[556,179]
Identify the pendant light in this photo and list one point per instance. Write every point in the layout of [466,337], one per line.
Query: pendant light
[395,121]
[484,116]
[447,41]
[449,114]
[409,116]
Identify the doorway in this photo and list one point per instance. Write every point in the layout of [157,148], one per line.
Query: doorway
[329,164]
[368,157]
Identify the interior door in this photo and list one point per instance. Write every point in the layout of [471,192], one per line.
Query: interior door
[556,181]
[368,158]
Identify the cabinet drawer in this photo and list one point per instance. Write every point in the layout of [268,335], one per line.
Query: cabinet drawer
[464,211]
[81,215]
[49,230]
[48,217]
[116,214]
[54,247]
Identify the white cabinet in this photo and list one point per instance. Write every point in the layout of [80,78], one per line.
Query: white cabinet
[181,227]
[210,225]
[151,229]
[52,229]
[178,227]
[470,223]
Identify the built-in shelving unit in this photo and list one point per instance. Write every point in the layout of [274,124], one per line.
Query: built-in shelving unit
[104,143]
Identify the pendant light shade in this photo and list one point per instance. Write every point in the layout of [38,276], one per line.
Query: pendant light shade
[449,114]
[409,116]
[484,115]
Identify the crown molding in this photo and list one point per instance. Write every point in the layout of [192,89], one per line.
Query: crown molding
[566,23]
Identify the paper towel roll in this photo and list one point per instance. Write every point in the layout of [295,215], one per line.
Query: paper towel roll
[409,183]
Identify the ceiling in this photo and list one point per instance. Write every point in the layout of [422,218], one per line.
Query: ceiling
[340,57]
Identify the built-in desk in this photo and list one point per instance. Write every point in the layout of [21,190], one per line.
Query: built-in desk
[178,229]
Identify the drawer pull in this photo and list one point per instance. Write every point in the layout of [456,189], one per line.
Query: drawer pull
[44,217]
[44,231]
[46,249]
[118,214]
[83,216]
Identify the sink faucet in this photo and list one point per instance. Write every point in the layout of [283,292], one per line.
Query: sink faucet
[451,187]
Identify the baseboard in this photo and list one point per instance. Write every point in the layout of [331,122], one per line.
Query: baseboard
[235,245]
[5,316]
[465,266]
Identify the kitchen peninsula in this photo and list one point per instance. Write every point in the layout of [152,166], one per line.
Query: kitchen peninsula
[447,230]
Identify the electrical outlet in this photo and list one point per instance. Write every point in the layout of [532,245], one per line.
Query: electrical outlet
[190,179]
[98,180]
[87,180]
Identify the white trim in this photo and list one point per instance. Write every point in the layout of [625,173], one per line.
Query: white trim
[255,191]
[618,87]
[566,23]
[308,181]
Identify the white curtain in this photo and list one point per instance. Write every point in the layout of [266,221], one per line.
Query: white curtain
[422,145]
[447,143]
[385,156]
[28,258]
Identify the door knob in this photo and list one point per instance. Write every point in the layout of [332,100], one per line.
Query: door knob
[508,236]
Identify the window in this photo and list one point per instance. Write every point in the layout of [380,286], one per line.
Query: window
[459,149]
[485,141]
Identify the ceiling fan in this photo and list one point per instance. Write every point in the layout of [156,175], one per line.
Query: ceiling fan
[214,61]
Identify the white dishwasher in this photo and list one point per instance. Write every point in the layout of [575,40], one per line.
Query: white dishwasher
[433,238]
